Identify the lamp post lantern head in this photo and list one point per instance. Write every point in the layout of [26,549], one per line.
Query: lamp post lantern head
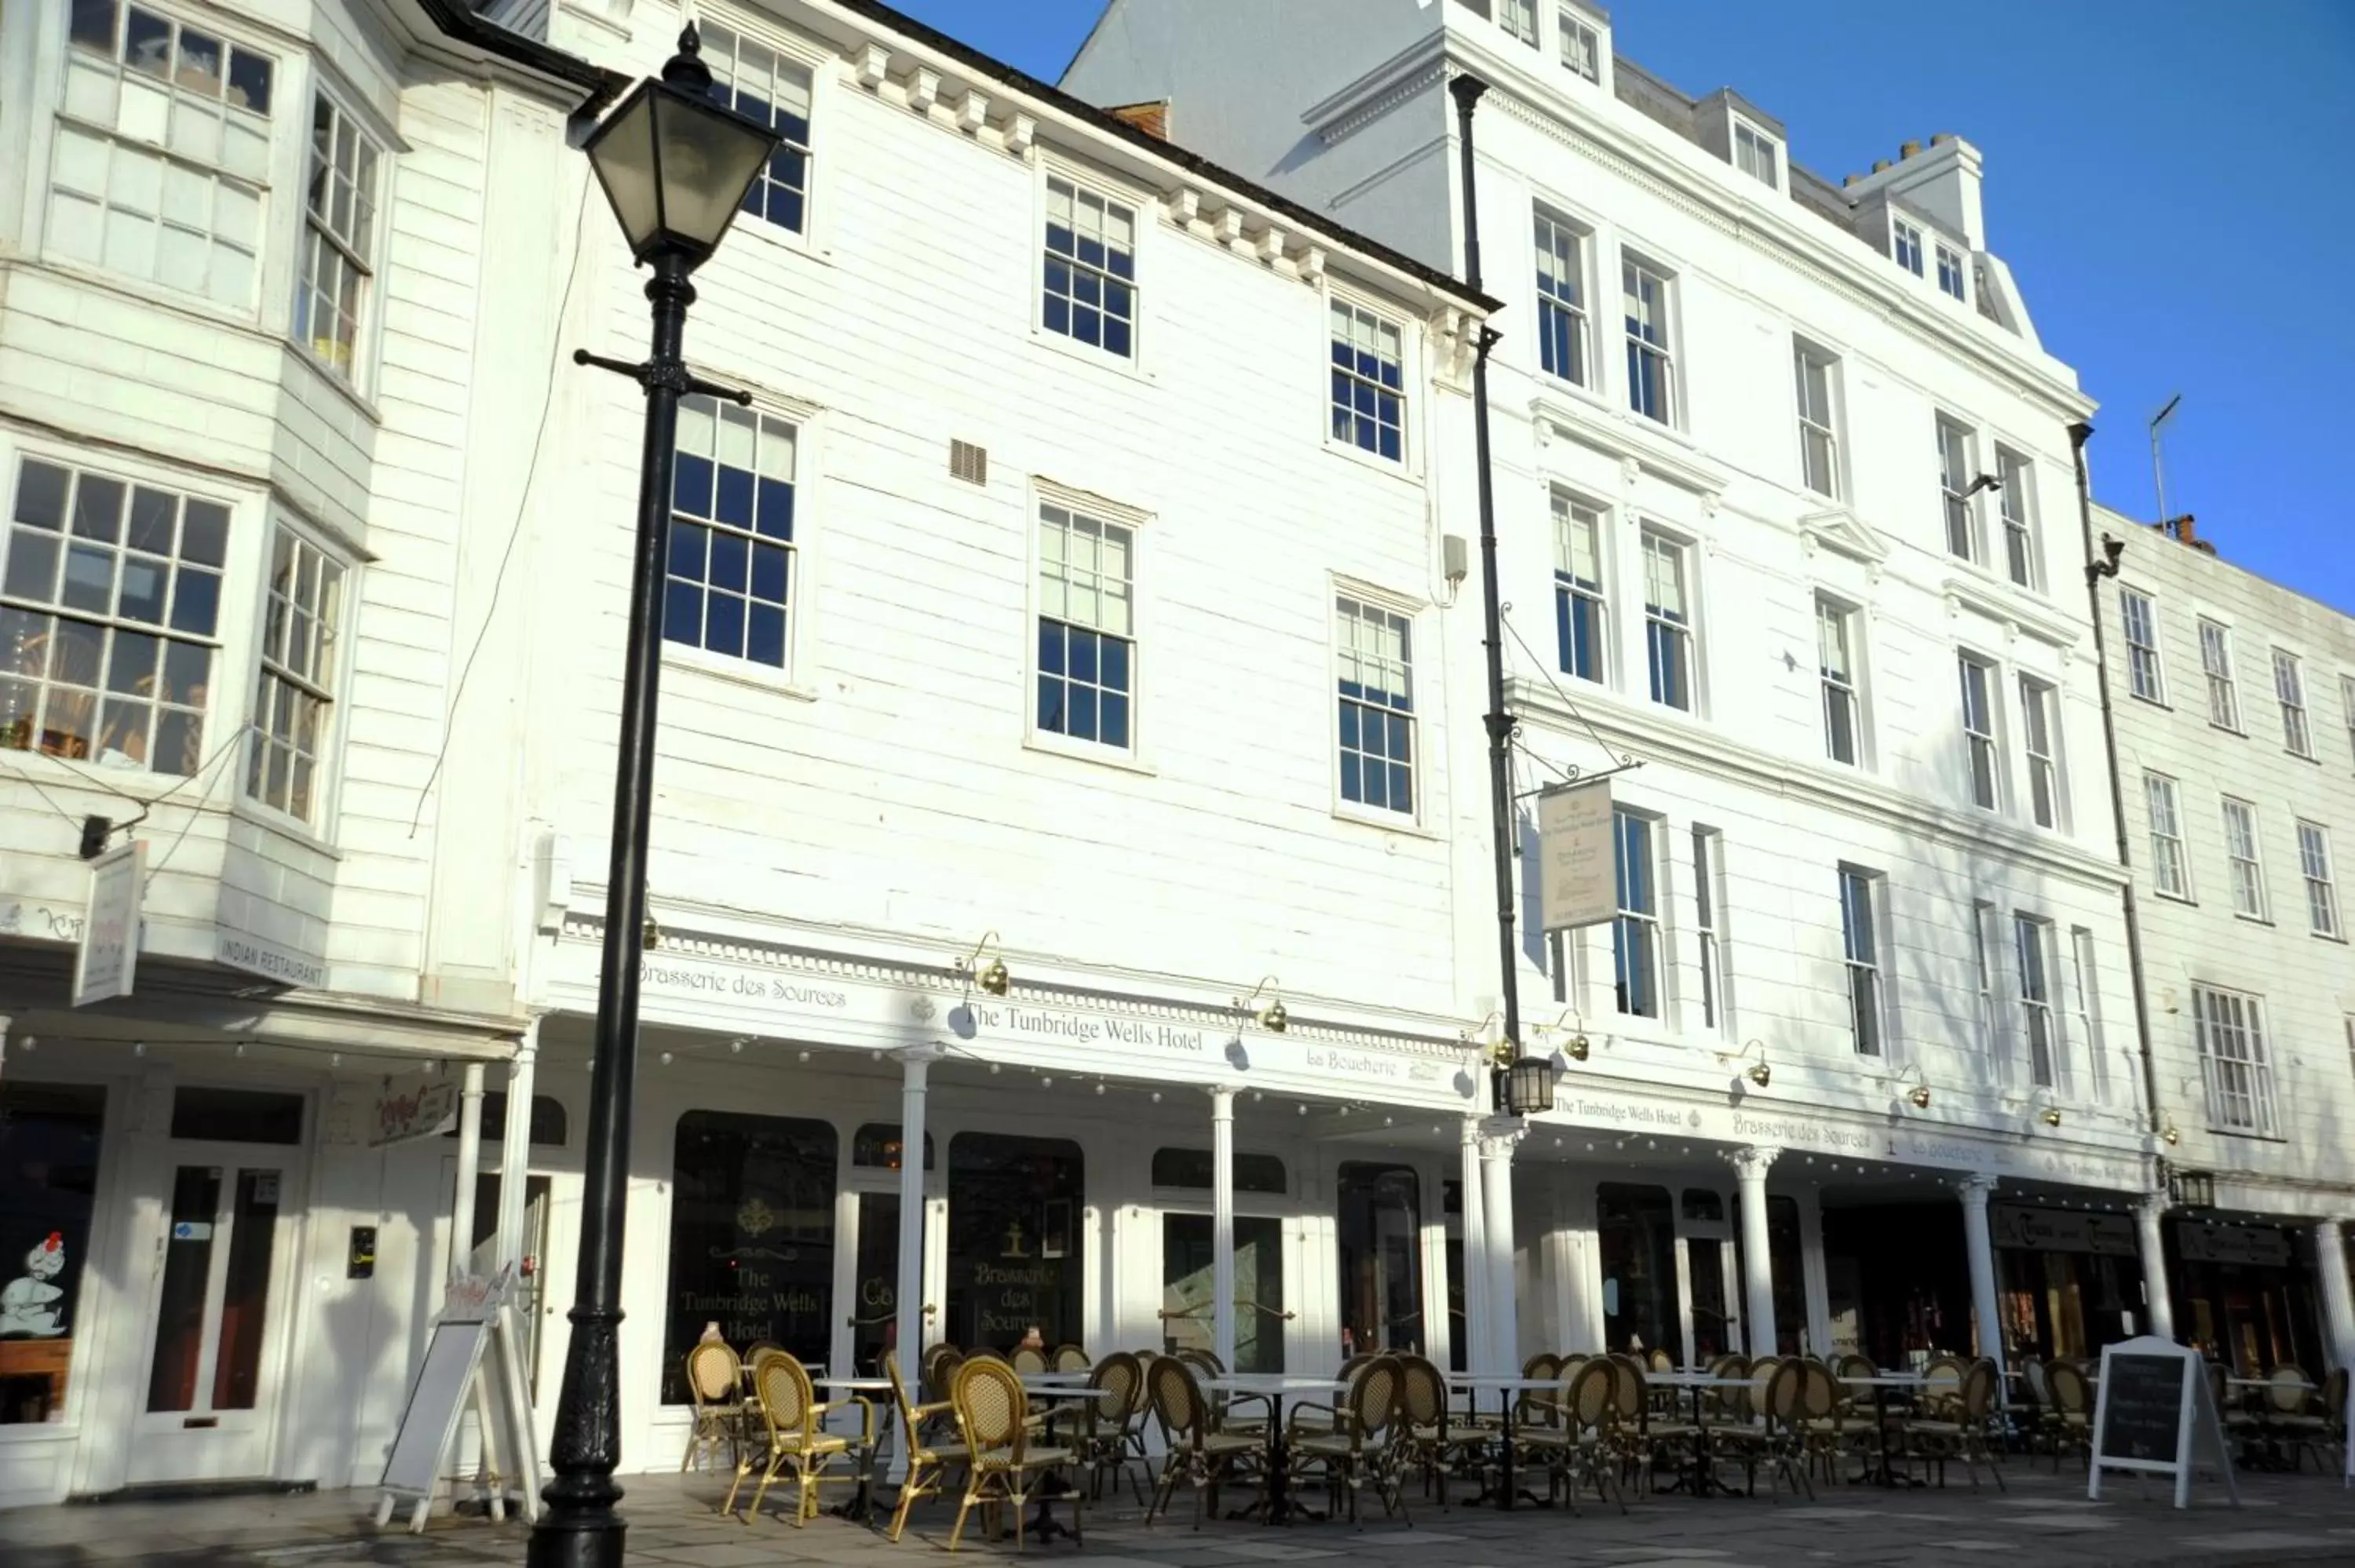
[1529,1086]
[675,162]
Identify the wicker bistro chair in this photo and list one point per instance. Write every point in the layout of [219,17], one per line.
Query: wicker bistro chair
[2066,1418]
[1967,1434]
[940,1363]
[1828,1420]
[1200,1452]
[793,1426]
[933,1447]
[1364,1450]
[1003,1469]
[1028,1363]
[1941,1388]
[1643,1438]
[1433,1438]
[1769,1432]
[2290,1417]
[715,1382]
[1111,1433]
[1581,1450]
[1071,1358]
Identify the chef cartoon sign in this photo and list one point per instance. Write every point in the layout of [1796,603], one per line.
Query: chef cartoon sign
[28,1304]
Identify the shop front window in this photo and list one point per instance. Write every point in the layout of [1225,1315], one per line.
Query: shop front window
[1016,1242]
[1379,1210]
[751,1237]
[877,1146]
[49,1188]
[1638,1229]
[1785,1254]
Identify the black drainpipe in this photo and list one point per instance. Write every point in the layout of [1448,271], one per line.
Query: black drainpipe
[1467,91]
[2101,563]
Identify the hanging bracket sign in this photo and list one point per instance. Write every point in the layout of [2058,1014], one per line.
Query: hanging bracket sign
[1577,869]
[2156,1414]
[109,956]
[411,1108]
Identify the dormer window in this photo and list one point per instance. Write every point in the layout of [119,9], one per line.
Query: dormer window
[1757,154]
[1581,49]
[1950,273]
[1906,244]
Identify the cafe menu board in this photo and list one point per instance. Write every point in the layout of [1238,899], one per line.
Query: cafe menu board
[2156,1414]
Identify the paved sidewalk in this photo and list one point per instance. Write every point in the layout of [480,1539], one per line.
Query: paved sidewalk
[2041,1519]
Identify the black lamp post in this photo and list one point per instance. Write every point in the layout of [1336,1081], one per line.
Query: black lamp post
[674,163]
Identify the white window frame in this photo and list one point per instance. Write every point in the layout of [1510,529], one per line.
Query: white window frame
[363,252]
[2088,1015]
[801,419]
[1842,688]
[2321,887]
[2289,689]
[2023,555]
[2032,946]
[2244,855]
[1982,742]
[2040,732]
[1906,244]
[1514,15]
[798,56]
[1663,627]
[1083,181]
[1642,922]
[1105,516]
[1951,266]
[1634,267]
[2170,858]
[2216,664]
[1549,229]
[1365,319]
[2228,1029]
[1760,144]
[1958,505]
[1819,428]
[1567,507]
[2146,667]
[1709,909]
[325,683]
[254,180]
[1861,894]
[1579,45]
[1369,599]
[1982,968]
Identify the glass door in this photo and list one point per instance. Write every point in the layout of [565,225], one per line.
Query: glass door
[1189,1296]
[216,1322]
[875,1287]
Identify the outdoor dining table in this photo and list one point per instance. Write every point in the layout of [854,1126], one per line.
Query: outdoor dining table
[861,1506]
[1880,1384]
[1506,1387]
[1273,1387]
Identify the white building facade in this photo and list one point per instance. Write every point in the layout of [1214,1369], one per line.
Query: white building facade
[2235,711]
[253,329]
[1787,515]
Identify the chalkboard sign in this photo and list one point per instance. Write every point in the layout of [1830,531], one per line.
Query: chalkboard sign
[2142,1407]
[2155,1414]
[475,1319]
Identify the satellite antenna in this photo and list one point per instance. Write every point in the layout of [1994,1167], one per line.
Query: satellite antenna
[2158,469]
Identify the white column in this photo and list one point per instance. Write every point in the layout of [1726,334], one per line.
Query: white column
[915,1065]
[1222,1225]
[1974,1191]
[2338,1305]
[1497,1206]
[2157,1300]
[1757,1253]
[514,1148]
[469,1159]
[1476,1254]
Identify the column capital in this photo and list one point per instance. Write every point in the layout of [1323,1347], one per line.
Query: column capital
[925,1053]
[1751,1164]
[1505,1131]
[1974,1189]
[1472,1124]
[2154,1205]
[1222,1095]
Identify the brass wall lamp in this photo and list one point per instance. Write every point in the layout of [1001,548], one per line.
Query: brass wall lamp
[1760,1072]
[1270,1013]
[991,977]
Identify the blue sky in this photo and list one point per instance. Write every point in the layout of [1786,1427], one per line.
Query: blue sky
[2162,177]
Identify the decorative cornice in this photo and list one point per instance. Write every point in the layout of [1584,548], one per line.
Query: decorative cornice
[2010,608]
[1619,436]
[1840,529]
